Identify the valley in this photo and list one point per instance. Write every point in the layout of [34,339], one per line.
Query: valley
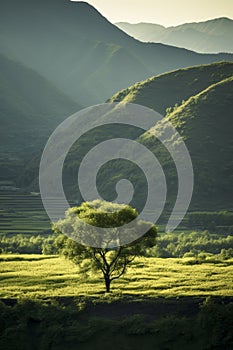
[170,289]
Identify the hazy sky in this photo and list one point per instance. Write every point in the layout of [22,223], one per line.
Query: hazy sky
[165,12]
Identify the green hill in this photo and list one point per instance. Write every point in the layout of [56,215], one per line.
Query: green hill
[203,120]
[205,123]
[214,35]
[83,54]
[166,90]
[31,107]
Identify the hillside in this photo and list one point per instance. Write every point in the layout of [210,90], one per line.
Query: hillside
[83,54]
[205,123]
[145,32]
[204,96]
[166,90]
[209,36]
[31,107]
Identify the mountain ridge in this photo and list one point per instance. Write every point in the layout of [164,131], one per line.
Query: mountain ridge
[171,88]
[213,35]
[227,19]
[61,41]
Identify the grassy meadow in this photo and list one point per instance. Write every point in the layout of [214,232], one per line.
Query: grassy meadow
[38,276]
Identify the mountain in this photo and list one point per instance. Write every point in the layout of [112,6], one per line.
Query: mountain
[144,32]
[200,101]
[30,109]
[204,120]
[209,36]
[200,110]
[85,56]
[205,123]
[166,90]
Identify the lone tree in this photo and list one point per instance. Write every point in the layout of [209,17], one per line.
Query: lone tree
[109,258]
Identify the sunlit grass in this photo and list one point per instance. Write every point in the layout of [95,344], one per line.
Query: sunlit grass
[38,276]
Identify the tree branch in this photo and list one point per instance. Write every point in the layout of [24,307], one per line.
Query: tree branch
[99,263]
[102,254]
[116,257]
[122,272]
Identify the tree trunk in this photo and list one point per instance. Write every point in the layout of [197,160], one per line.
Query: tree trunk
[107,283]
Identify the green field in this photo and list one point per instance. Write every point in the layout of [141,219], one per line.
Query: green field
[38,276]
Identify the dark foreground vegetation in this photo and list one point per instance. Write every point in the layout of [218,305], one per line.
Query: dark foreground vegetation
[69,323]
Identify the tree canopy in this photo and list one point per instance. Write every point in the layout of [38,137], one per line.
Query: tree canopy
[110,259]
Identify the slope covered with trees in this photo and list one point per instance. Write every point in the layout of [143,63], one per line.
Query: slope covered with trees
[200,100]
[205,123]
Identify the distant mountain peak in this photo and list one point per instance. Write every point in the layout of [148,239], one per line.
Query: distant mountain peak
[223,19]
[83,4]
[217,19]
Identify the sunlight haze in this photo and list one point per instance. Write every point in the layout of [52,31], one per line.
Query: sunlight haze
[166,12]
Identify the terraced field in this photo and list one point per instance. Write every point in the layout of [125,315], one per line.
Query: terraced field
[21,213]
[24,213]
